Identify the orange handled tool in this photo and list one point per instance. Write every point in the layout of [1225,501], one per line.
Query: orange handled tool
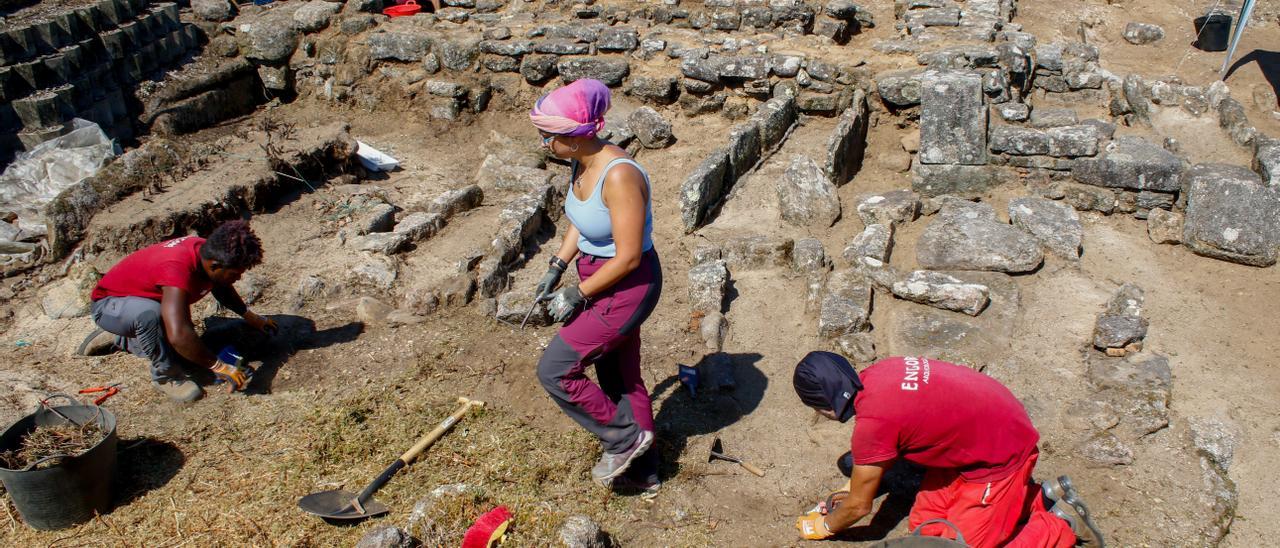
[110,389]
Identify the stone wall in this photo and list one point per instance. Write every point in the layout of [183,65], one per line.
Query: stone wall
[85,63]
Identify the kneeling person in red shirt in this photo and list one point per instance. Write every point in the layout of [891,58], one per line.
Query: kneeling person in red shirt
[146,299]
[968,431]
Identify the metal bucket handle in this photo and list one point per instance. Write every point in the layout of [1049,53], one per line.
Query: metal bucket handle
[44,404]
[959,535]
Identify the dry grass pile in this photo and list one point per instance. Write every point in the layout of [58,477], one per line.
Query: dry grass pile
[66,440]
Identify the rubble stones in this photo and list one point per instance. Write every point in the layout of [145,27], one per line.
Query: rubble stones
[808,255]
[1118,331]
[1215,438]
[213,10]
[386,536]
[1013,112]
[703,189]
[708,282]
[618,39]
[1164,227]
[269,41]
[1266,161]
[899,88]
[514,305]
[1231,215]
[846,307]
[1073,141]
[314,16]
[1127,300]
[893,207]
[611,71]
[1055,225]
[1105,449]
[969,238]
[942,291]
[650,128]
[748,252]
[805,196]
[1085,197]
[379,218]
[661,90]
[1131,163]
[1053,117]
[875,241]
[1138,388]
[1142,33]
[537,68]
[953,119]
[580,531]
[713,329]
[1018,140]
[372,311]
[454,202]
[858,347]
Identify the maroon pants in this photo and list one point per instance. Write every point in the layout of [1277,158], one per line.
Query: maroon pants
[605,334]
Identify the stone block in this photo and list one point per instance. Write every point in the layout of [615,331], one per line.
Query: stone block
[1131,163]
[1231,215]
[1054,224]
[847,142]
[1018,140]
[744,148]
[953,119]
[609,70]
[806,197]
[875,241]
[775,118]
[961,180]
[704,189]
[969,237]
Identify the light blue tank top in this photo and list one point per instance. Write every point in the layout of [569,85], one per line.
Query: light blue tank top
[591,216]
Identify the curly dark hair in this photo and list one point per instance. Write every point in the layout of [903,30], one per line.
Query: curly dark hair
[233,245]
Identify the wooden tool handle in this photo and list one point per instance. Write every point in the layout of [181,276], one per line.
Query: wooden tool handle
[751,468]
[445,425]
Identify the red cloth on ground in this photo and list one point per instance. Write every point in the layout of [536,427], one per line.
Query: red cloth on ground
[1009,512]
[173,263]
[940,415]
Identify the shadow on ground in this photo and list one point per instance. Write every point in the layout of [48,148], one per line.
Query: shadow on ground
[273,351]
[145,464]
[684,416]
[1268,62]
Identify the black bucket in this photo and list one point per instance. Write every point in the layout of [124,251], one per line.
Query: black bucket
[1214,31]
[74,489]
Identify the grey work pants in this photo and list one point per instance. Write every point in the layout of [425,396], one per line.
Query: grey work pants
[137,320]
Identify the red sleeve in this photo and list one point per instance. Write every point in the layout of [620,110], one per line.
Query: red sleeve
[173,274]
[874,440]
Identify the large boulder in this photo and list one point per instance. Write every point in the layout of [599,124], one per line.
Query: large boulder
[899,88]
[1056,225]
[968,236]
[708,282]
[1231,215]
[846,308]
[893,207]
[1142,33]
[315,15]
[845,147]
[875,241]
[805,195]
[213,10]
[270,41]
[1131,163]
[398,46]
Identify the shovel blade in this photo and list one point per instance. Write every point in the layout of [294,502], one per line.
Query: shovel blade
[337,505]
[717,450]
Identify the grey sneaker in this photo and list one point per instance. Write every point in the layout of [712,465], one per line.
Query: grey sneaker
[1073,511]
[647,491]
[611,465]
[179,390]
[99,343]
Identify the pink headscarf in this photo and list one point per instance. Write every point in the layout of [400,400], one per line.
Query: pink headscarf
[575,110]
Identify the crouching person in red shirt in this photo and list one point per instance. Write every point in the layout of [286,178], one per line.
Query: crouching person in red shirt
[145,300]
[968,431]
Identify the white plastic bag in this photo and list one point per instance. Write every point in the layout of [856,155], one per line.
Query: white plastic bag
[37,176]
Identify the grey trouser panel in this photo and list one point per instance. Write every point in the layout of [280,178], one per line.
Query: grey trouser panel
[137,319]
[560,361]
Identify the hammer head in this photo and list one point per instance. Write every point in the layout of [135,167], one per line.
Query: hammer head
[717,449]
[471,402]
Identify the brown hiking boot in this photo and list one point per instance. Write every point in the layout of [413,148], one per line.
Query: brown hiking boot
[179,390]
[99,343]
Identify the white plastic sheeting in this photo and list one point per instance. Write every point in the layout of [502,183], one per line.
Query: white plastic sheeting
[37,176]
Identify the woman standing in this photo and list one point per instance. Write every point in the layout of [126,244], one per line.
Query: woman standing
[608,204]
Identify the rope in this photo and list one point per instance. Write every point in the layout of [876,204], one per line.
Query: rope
[1178,69]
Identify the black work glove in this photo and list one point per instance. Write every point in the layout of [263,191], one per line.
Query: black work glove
[548,283]
[564,302]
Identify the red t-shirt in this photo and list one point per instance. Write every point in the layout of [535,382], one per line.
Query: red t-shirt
[175,263]
[940,415]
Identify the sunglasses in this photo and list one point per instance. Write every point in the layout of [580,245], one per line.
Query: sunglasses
[547,138]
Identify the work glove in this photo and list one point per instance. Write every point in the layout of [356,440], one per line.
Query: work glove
[813,526]
[261,323]
[564,302]
[228,369]
[548,283]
